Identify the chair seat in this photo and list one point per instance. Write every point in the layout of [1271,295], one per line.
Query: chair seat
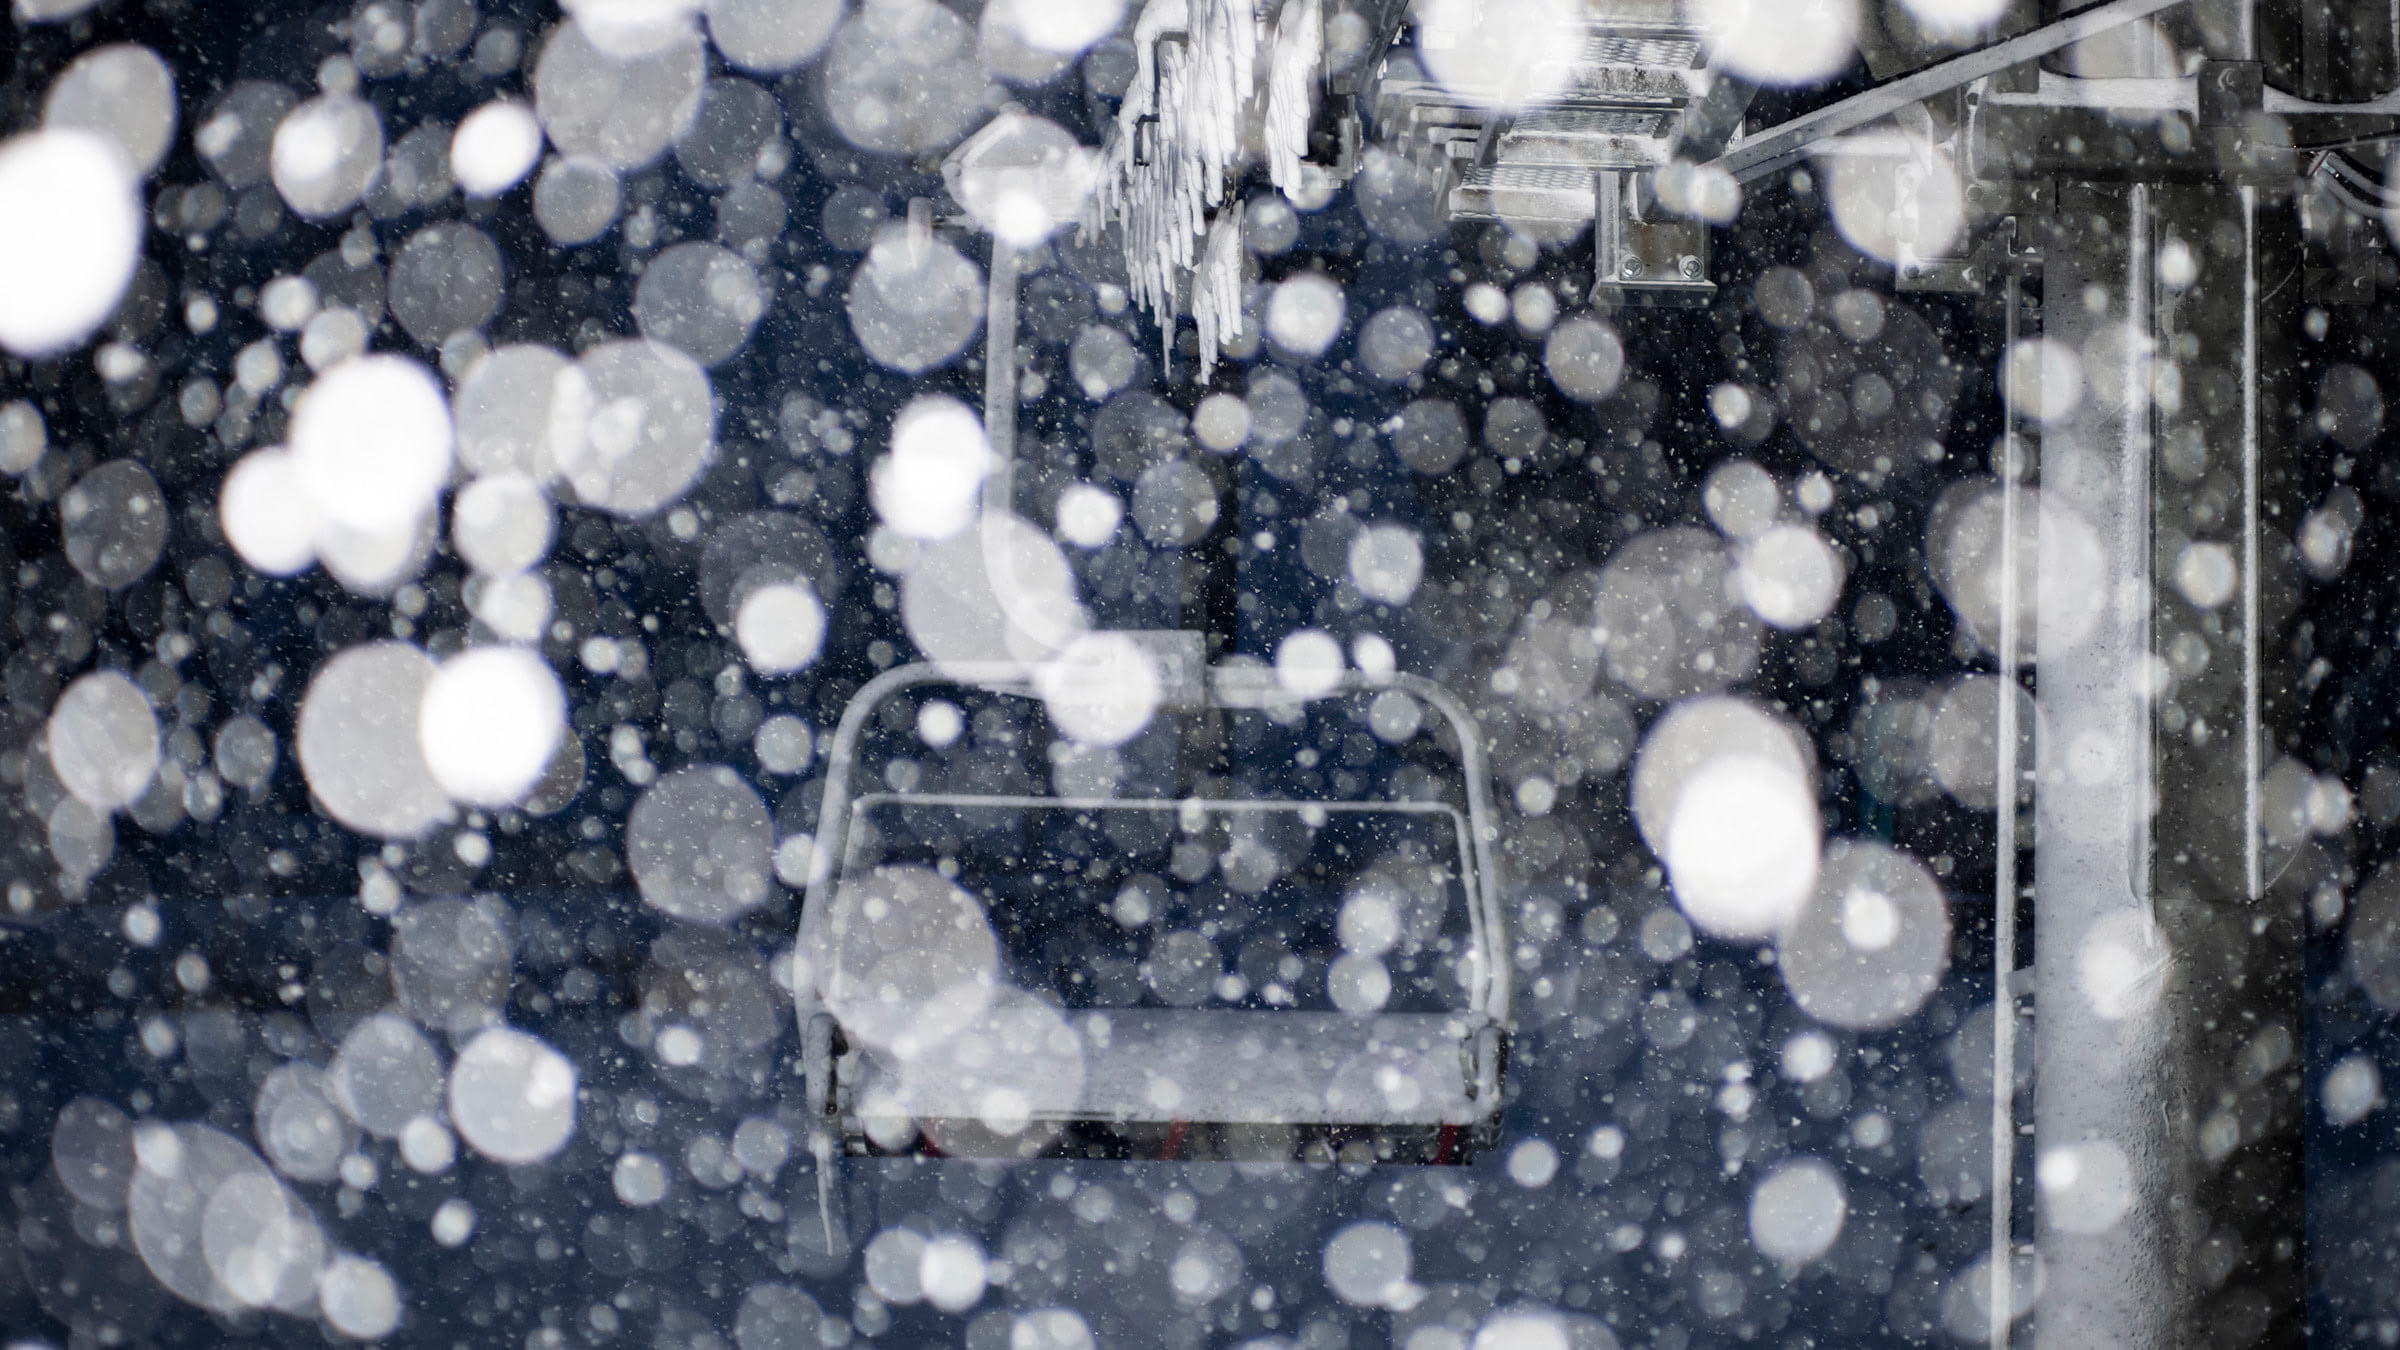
[1162,1065]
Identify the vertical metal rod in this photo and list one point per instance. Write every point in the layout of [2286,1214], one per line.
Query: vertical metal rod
[2004,882]
[2141,473]
[2253,732]
[1000,377]
[1000,560]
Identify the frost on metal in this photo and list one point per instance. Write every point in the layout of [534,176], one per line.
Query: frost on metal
[1215,81]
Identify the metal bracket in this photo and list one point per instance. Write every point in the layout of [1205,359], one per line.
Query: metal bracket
[1645,258]
[2004,198]
[2005,243]
[2230,91]
[1957,276]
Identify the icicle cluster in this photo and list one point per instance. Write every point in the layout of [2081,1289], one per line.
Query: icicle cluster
[1180,137]
[1291,89]
[1217,287]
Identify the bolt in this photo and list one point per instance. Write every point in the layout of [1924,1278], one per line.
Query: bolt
[1689,266]
[1629,266]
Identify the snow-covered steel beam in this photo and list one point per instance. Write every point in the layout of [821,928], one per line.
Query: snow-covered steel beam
[1758,155]
[2104,1040]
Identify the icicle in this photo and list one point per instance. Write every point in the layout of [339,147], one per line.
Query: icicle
[1291,90]
[1217,288]
[1178,143]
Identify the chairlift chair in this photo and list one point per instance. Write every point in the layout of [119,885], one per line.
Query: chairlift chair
[1260,1080]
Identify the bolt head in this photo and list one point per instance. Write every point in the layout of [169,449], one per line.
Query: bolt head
[1629,266]
[1689,266]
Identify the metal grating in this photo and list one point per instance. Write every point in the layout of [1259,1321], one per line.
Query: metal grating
[1641,49]
[1541,178]
[1524,192]
[1594,122]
